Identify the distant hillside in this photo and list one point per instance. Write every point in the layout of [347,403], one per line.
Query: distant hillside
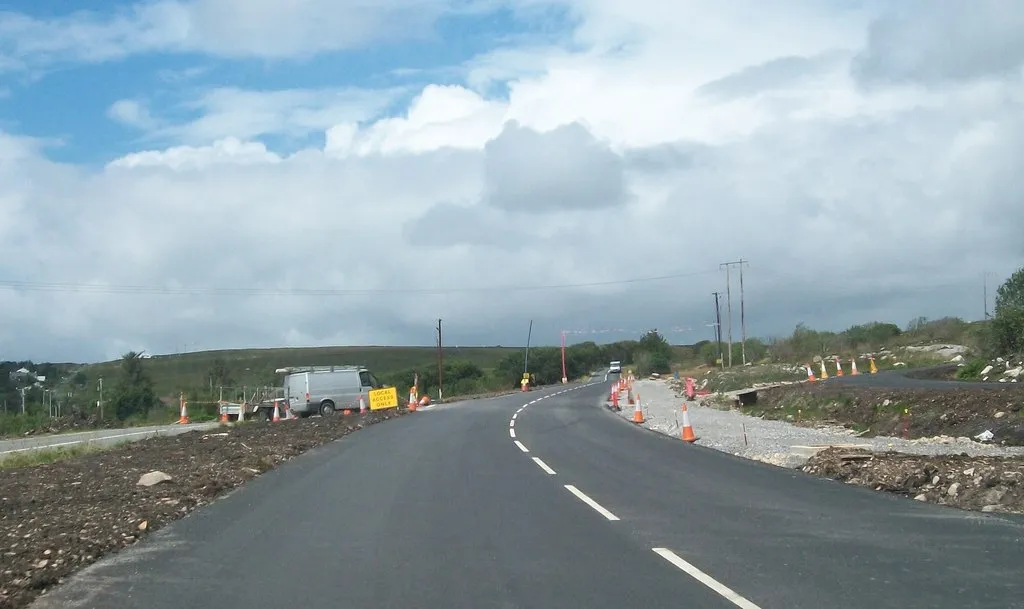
[253,367]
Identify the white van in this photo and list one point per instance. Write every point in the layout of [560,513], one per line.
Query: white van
[615,367]
[326,389]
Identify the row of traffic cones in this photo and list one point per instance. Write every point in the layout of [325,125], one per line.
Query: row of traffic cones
[686,434]
[839,368]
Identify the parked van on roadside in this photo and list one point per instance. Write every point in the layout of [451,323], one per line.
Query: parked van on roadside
[325,390]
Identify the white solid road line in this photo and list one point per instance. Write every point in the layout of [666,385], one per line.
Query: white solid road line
[597,506]
[722,590]
[521,447]
[543,466]
[512,433]
[73,442]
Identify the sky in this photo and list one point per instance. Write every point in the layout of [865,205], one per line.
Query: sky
[204,174]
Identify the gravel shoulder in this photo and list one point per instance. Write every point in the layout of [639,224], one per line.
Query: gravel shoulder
[779,442]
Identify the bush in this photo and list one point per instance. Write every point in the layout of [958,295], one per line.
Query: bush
[972,369]
[1007,329]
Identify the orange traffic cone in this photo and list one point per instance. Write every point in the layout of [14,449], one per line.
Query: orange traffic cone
[223,414]
[810,374]
[853,366]
[277,412]
[362,404]
[412,399]
[839,366]
[824,371]
[615,402]
[183,417]
[687,435]
[638,413]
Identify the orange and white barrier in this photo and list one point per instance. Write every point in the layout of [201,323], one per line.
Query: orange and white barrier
[687,435]
[183,415]
[638,413]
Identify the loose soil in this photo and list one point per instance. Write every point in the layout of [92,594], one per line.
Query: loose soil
[989,484]
[957,412]
[58,518]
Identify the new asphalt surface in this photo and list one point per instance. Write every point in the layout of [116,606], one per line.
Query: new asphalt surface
[449,508]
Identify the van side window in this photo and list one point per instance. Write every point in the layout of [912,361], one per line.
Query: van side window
[365,379]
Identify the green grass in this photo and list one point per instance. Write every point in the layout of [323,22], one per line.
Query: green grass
[50,455]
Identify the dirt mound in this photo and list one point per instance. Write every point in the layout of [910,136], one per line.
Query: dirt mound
[958,412]
[60,517]
[990,484]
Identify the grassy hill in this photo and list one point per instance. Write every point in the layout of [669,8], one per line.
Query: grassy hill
[255,367]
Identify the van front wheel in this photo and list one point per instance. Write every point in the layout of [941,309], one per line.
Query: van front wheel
[327,409]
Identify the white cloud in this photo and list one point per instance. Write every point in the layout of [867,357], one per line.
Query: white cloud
[229,150]
[661,145]
[229,112]
[225,28]
[132,113]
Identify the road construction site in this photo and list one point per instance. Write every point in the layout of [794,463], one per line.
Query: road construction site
[909,441]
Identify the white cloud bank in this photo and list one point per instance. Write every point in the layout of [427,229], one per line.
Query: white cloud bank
[823,147]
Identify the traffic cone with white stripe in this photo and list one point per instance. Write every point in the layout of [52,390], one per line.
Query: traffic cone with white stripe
[687,435]
[362,404]
[810,374]
[824,371]
[853,366]
[277,412]
[183,416]
[638,413]
[839,366]
[873,369]
[412,399]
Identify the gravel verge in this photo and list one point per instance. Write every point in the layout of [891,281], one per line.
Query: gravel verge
[778,442]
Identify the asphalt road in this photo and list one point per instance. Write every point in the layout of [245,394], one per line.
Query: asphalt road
[102,437]
[903,379]
[443,509]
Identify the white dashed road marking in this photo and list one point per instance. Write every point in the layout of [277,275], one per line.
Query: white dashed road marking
[543,466]
[722,590]
[521,447]
[512,433]
[597,506]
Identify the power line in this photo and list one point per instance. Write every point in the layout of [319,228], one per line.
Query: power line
[96,288]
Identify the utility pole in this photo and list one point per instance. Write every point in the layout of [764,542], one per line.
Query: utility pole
[100,402]
[984,279]
[718,328]
[743,321]
[728,304]
[565,378]
[440,364]
[526,359]
[22,400]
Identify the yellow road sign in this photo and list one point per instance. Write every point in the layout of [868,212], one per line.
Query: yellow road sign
[381,399]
